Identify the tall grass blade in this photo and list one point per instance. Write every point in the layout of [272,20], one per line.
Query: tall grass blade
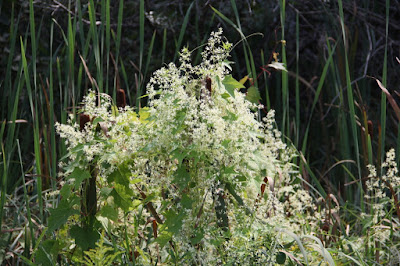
[3,189]
[265,82]
[164,45]
[35,129]
[317,93]
[383,97]
[350,98]
[108,31]
[28,209]
[297,85]
[96,48]
[119,29]
[183,30]
[149,53]
[285,81]
[141,43]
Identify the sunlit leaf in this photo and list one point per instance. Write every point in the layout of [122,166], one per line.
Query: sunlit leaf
[231,84]
[253,95]
[278,66]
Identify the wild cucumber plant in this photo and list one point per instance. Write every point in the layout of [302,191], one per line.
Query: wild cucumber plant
[195,177]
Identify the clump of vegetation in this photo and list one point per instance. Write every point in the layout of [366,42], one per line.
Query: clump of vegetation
[195,170]
[185,180]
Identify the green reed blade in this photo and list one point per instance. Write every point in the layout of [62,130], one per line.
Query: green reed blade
[297,85]
[71,56]
[51,114]
[35,129]
[383,97]
[119,29]
[3,189]
[108,30]
[317,93]
[164,45]
[183,30]
[28,209]
[351,104]
[265,82]
[149,53]
[96,48]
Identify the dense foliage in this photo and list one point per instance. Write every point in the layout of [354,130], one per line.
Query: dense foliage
[268,150]
[187,176]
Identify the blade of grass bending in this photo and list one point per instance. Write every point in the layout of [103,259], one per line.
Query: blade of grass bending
[35,130]
[28,209]
[324,253]
[317,93]
[228,21]
[297,239]
[314,178]
[351,100]
[183,30]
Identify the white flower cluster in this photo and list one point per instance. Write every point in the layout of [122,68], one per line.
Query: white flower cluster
[381,193]
[198,137]
[379,189]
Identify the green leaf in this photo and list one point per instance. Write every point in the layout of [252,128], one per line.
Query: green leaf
[182,177]
[85,238]
[105,191]
[60,215]
[47,252]
[79,175]
[179,155]
[109,212]
[280,258]
[225,143]
[121,176]
[186,201]
[231,84]
[230,116]
[198,236]
[163,238]
[121,199]
[253,95]
[173,222]
[97,120]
